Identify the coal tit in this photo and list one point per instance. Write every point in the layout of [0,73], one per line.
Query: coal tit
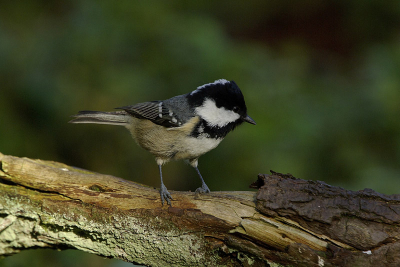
[182,127]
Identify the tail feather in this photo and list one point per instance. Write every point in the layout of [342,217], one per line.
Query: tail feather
[99,117]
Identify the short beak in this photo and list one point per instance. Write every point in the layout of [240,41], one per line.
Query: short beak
[249,120]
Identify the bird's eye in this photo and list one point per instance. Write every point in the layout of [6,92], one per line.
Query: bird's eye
[235,108]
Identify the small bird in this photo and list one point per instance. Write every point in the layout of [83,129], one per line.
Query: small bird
[183,127]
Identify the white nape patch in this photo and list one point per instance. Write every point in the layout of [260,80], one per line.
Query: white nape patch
[368,252]
[220,81]
[215,116]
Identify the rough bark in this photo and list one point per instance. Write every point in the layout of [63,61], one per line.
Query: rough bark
[288,221]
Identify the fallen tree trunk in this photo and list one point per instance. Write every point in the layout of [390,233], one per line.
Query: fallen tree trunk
[288,221]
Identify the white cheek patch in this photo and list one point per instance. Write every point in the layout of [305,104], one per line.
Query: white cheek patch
[215,116]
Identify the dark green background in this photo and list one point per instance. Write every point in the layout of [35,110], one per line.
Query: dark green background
[320,78]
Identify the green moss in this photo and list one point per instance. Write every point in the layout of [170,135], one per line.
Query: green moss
[96,188]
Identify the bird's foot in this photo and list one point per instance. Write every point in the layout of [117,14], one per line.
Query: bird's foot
[165,195]
[203,189]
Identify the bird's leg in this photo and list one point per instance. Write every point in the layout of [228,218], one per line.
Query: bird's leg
[204,188]
[165,195]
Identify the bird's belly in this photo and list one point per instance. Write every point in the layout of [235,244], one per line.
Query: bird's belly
[192,147]
[172,143]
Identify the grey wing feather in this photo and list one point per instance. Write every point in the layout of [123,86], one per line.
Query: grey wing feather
[146,110]
[157,112]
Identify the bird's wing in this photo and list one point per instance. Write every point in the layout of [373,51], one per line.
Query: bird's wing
[156,112]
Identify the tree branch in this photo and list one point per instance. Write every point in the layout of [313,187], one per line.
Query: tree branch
[288,221]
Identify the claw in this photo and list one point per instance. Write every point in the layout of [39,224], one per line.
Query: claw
[165,195]
[203,189]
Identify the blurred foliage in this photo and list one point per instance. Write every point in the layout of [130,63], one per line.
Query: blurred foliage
[320,78]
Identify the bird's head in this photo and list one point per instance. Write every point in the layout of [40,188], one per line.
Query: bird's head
[220,104]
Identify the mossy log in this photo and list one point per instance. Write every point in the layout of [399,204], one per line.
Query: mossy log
[288,221]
